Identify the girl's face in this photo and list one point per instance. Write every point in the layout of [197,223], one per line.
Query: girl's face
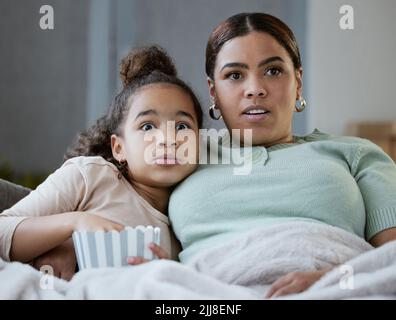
[159,137]
[256,87]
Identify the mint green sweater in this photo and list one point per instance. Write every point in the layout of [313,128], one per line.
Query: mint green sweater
[345,182]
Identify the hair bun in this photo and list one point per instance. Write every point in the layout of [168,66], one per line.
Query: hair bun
[141,62]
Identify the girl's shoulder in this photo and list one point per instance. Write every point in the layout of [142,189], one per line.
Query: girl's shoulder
[92,163]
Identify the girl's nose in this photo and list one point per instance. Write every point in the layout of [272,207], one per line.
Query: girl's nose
[168,143]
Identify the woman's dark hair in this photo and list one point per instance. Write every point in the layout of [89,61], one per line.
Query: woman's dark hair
[141,67]
[244,23]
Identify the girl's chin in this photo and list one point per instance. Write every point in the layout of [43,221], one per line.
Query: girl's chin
[166,180]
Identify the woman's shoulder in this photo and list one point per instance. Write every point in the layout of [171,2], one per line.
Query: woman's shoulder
[318,135]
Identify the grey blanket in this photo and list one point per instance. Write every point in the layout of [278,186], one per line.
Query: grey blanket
[244,268]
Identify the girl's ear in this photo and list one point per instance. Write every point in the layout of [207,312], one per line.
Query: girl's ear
[211,87]
[299,74]
[116,147]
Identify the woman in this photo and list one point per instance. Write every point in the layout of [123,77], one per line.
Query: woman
[254,74]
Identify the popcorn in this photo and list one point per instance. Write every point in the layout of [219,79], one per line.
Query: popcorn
[99,249]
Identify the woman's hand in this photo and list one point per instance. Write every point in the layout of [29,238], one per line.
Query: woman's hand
[156,249]
[295,282]
[92,222]
[62,259]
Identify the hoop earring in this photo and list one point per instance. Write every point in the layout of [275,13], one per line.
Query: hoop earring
[212,113]
[301,107]
[122,164]
[121,167]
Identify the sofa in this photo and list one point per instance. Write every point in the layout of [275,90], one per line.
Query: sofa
[11,193]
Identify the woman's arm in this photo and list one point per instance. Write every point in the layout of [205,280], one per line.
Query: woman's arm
[295,282]
[299,281]
[383,237]
[375,174]
[37,235]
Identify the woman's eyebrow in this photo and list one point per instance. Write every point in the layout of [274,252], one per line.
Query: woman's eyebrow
[245,66]
[146,112]
[235,64]
[271,59]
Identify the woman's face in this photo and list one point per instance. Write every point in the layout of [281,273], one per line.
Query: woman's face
[159,136]
[256,87]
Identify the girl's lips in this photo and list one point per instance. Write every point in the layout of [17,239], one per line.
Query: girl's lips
[166,161]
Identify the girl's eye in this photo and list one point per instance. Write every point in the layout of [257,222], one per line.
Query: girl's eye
[182,126]
[234,76]
[273,72]
[147,126]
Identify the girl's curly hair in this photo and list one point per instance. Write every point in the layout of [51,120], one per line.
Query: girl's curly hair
[139,68]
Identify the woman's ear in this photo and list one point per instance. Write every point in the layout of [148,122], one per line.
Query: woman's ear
[299,74]
[211,87]
[116,147]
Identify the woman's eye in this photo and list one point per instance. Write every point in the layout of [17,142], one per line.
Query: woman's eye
[147,126]
[273,72]
[182,126]
[234,76]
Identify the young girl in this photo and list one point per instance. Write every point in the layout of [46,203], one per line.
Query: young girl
[121,172]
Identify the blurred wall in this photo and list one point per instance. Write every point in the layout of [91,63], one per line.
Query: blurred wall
[351,73]
[42,82]
[54,83]
[183,28]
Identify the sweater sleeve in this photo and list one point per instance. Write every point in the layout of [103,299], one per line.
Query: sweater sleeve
[61,192]
[375,174]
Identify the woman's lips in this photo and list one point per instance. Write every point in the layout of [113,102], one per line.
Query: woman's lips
[255,117]
[255,112]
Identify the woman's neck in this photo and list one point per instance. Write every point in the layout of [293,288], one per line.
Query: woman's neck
[157,197]
[287,139]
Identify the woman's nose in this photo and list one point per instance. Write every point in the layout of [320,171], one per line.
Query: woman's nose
[255,93]
[255,90]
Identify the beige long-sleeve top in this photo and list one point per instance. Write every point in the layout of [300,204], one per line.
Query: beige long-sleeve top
[88,184]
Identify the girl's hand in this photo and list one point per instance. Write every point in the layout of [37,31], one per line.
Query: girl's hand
[294,282]
[156,249]
[92,222]
[62,259]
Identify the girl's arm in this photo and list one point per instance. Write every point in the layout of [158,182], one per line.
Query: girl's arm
[63,191]
[62,260]
[37,235]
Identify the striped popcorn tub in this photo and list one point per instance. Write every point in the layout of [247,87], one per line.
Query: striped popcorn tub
[99,249]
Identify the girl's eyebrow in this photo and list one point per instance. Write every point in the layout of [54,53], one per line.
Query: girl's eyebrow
[154,112]
[186,114]
[146,112]
[245,66]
